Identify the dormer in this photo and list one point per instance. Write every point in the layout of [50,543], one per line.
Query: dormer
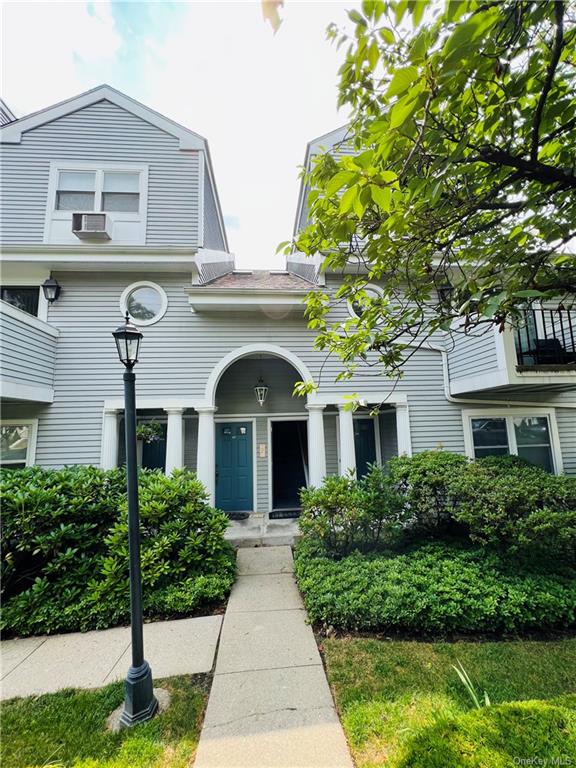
[102,170]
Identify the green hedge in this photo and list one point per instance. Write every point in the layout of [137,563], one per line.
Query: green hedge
[64,547]
[435,589]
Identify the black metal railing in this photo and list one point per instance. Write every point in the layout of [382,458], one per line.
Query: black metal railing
[547,337]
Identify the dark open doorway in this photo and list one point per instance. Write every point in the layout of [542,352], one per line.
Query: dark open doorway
[289,466]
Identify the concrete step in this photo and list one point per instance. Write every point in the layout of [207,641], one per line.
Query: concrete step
[262,532]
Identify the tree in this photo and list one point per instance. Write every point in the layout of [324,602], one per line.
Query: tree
[460,194]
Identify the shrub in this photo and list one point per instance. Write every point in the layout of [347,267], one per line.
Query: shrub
[540,731]
[344,515]
[424,480]
[435,589]
[517,507]
[65,548]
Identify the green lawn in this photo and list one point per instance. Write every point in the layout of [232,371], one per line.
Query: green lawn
[402,704]
[67,729]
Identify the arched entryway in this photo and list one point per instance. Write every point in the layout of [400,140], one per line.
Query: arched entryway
[261,449]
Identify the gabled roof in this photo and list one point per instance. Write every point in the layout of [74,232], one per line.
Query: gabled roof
[314,147]
[12,133]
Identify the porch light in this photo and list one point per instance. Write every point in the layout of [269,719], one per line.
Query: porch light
[128,338]
[51,288]
[261,391]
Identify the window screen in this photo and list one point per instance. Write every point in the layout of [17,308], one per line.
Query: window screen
[76,191]
[121,192]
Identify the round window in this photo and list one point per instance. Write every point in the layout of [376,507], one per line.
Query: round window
[145,302]
[356,307]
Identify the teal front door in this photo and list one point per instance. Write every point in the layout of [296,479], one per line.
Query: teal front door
[234,468]
[365,444]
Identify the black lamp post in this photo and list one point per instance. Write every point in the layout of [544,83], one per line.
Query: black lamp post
[139,703]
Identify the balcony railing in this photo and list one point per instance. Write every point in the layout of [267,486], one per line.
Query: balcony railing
[547,338]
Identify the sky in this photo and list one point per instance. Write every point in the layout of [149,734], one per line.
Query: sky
[215,67]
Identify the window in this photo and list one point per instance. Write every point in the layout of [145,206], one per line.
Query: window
[17,443]
[22,297]
[76,191]
[120,192]
[527,436]
[356,307]
[145,302]
[98,190]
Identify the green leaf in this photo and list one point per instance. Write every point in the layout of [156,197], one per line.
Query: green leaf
[337,182]
[347,200]
[401,111]
[357,18]
[382,196]
[401,81]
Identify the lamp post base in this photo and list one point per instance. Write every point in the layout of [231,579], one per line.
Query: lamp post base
[140,704]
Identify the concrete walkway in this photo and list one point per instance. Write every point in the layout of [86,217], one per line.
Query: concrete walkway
[37,665]
[270,705]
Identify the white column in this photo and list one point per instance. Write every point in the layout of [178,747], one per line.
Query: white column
[206,462]
[316,445]
[346,435]
[403,429]
[109,454]
[174,439]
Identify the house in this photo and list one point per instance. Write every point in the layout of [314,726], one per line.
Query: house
[109,207]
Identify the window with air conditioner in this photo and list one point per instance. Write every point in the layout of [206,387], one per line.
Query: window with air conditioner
[97,201]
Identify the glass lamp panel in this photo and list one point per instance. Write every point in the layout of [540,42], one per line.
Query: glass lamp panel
[121,182]
[122,202]
[76,181]
[144,303]
[14,443]
[490,434]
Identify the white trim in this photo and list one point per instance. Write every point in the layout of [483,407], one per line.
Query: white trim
[509,413]
[12,133]
[225,420]
[18,390]
[269,420]
[145,284]
[99,168]
[245,351]
[33,437]
[27,319]
[247,300]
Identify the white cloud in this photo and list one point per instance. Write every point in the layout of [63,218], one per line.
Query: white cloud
[42,45]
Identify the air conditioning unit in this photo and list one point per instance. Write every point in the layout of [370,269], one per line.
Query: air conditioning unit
[92,226]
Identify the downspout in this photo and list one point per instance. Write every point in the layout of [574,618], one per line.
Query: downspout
[480,401]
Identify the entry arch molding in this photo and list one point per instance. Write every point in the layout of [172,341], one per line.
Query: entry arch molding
[247,350]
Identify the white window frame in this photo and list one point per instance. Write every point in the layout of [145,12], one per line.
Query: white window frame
[368,287]
[509,414]
[99,168]
[144,284]
[31,452]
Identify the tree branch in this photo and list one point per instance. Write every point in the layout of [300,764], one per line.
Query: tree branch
[556,51]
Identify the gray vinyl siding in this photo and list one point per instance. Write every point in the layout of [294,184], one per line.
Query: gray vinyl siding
[261,493]
[212,232]
[566,420]
[103,133]
[388,435]
[178,354]
[331,443]
[471,354]
[28,353]
[190,443]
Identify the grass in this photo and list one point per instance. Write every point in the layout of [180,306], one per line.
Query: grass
[68,729]
[399,700]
